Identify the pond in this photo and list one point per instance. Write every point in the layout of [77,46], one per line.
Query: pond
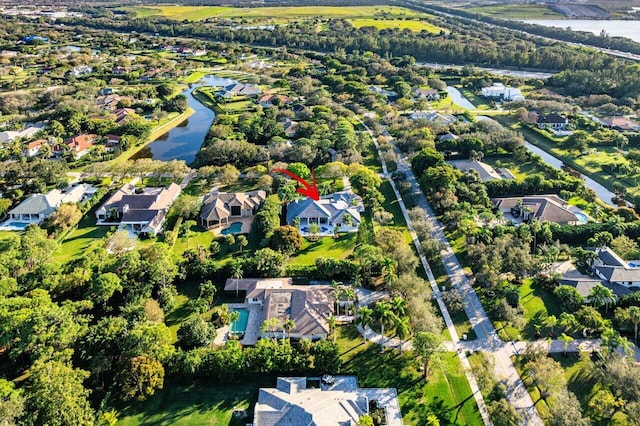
[184,141]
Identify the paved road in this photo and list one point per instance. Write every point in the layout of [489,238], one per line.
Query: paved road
[487,337]
[475,390]
[517,394]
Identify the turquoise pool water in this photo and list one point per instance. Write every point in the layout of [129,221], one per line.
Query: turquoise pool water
[234,228]
[240,325]
[582,218]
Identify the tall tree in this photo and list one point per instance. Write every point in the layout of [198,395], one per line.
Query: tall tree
[427,346]
[56,395]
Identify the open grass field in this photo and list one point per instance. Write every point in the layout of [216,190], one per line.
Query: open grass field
[383,24]
[446,393]
[197,404]
[86,236]
[517,11]
[195,13]
[330,247]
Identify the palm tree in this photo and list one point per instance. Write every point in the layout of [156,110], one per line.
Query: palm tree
[347,220]
[331,321]
[336,289]
[565,342]
[389,271]
[399,306]
[551,321]
[610,340]
[236,274]
[287,326]
[601,295]
[402,327]
[349,294]
[314,231]
[626,346]
[634,317]
[325,187]
[568,321]
[364,319]
[383,314]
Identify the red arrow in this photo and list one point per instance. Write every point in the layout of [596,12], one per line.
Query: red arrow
[310,189]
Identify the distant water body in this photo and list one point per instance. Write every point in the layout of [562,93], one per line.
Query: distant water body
[629,29]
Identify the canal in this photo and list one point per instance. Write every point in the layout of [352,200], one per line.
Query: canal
[184,141]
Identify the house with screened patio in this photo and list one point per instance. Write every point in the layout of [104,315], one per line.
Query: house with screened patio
[340,210]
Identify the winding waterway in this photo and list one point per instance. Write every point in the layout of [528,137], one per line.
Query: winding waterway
[184,141]
[603,193]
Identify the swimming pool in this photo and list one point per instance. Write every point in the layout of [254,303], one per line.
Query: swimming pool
[582,218]
[323,229]
[234,228]
[240,325]
[20,225]
[13,226]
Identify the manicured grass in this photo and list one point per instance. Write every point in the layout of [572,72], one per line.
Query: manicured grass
[383,24]
[329,247]
[85,237]
[446,393]
[520,169]
[197,404]
[517,11]
[480,102]
[201,238]
[287,13]
[191,13]
[187,291]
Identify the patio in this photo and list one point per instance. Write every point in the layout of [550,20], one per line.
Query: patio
[245,221]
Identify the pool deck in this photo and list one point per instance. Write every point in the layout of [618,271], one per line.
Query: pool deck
[247,222]
[252,332]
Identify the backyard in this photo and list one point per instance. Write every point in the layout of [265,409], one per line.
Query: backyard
[446,393]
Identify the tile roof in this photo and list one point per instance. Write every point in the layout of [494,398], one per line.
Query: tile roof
[217,205]
[545,207]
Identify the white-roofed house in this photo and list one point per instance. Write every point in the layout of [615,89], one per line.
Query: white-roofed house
[38,207]
[341,209]
[336,402]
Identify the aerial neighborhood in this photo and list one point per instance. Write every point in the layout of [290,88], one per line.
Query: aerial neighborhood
[294,214]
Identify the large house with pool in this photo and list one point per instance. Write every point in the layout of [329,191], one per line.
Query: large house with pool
[309,306]
[138,210]
[222,209]
[38,207]
[341,210]
[543,208]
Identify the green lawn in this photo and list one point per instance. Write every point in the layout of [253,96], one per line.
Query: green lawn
[520,169]
[447,392]
[329,247]
[197,404]
[383,24]
[287,13]
[82,239]
[537,303]
[471,96]
[517,11]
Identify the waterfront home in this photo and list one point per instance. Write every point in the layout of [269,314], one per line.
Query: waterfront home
[501,92]
[428,94]
[554,121]
[239,89]
[610,267]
